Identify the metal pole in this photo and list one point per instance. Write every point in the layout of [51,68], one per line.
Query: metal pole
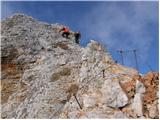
[121,52]
[103,73]
[149,67]
[134,51]
[77,101]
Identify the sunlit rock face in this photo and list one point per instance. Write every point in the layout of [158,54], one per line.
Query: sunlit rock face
[47,76]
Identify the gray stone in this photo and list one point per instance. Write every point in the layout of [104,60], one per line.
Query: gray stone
[153,110]
[140,87]
[113,95]
[119,115]
[137,104]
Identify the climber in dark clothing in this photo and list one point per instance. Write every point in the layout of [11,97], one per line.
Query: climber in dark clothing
[65,32]
[77,36]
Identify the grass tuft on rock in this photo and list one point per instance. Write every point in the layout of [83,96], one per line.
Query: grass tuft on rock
[64,72]
[61,45]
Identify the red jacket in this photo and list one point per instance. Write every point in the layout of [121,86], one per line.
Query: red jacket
[65,29]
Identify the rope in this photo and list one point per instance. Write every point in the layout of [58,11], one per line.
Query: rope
[93,78]
[146,64]
[135,56]
[134,52]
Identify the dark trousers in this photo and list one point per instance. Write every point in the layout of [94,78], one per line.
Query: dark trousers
[77,37]
[77,40]
[65,34]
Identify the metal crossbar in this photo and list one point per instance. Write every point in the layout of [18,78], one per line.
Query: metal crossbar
[135,56]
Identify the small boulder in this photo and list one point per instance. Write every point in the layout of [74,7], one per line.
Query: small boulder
[113,95]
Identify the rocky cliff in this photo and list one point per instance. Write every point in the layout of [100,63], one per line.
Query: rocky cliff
[47,76]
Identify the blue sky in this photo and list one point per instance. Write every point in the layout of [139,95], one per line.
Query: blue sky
[117,25]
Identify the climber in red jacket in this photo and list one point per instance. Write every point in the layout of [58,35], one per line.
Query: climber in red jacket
[65,32]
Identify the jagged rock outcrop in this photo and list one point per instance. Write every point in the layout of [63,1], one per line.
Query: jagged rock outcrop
[47,76]
[137,104]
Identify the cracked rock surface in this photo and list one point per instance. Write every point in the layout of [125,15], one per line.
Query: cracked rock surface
[47,76]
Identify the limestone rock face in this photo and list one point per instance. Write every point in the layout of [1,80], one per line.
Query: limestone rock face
[153,110]
[137,104]
[113,95]
[46,76]
[140,87]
